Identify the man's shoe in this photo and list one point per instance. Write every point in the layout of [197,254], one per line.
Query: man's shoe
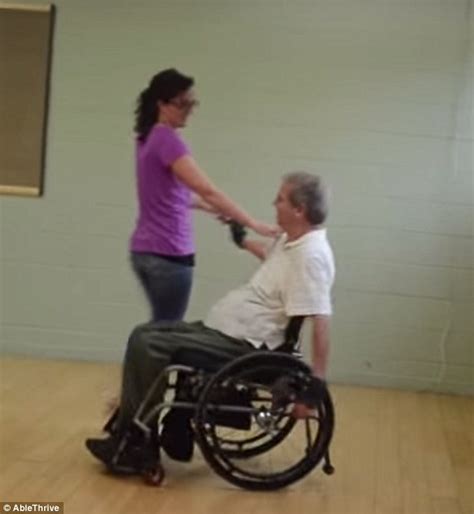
[130,460]
[103,449]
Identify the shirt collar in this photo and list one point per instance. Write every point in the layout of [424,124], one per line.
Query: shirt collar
[312,235]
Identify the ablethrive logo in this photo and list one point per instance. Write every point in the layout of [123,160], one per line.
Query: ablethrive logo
[57,507]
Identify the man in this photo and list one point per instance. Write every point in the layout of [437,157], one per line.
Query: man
[295,279]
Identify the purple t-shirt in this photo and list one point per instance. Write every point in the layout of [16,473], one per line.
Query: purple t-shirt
[164,223]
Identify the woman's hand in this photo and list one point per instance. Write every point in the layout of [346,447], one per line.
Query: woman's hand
[264,229]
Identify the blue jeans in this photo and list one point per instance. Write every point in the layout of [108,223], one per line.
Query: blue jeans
[167,285]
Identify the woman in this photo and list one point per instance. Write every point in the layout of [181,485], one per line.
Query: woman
[169,184]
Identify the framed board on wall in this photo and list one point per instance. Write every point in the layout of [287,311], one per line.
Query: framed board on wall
[26,36]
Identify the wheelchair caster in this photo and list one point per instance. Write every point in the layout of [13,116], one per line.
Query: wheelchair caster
[328,469]
[154,476]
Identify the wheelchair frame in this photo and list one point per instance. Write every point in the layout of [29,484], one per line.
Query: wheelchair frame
[286,381]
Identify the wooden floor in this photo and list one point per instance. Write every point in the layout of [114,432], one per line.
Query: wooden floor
[394,452]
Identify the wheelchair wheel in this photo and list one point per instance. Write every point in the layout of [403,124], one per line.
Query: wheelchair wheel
[275,449]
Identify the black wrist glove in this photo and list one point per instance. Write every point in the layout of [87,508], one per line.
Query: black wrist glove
[237,232]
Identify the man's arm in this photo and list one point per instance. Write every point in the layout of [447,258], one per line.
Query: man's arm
[257,248]
[320,345]
[239,235]
[319,357]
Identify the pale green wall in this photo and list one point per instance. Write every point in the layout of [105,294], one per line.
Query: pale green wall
[376,96]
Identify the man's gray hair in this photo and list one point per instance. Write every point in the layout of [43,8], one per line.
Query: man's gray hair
[309,193]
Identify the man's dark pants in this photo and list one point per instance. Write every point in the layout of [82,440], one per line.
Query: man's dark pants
[154,346]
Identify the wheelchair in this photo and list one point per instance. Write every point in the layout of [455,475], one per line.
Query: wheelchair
[241,417]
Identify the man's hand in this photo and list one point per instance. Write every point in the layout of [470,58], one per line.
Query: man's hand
[307,400]
[302,411]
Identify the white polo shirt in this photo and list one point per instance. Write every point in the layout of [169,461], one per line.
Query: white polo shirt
[294,280]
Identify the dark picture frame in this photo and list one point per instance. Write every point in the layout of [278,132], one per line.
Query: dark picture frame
[26,44]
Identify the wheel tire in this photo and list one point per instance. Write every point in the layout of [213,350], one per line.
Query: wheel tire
[252,361]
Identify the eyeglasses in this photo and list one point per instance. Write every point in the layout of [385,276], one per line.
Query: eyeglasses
[184,105]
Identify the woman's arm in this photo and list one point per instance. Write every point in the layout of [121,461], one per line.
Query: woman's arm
[198,203]
[188,171]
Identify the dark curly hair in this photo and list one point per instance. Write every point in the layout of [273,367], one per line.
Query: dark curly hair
[164,86]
